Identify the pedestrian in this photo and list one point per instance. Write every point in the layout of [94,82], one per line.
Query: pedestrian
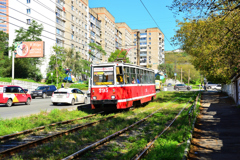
[62,85]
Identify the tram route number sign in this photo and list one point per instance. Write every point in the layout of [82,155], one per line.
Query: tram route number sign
[99,69]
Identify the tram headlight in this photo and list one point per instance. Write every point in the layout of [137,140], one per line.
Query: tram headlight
[94,97]
[113,97]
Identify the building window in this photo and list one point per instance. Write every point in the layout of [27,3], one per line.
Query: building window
[72,8]
[28,11]
[149,52]
[150,39]
[72,18]
[149,42]
[72,36]
[28,1]
[149,61]
[149,33]
[28,21]
[149,47]
[72,46]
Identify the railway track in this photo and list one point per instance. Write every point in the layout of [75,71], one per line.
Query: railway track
[10,144]
[40,139]
[108,138]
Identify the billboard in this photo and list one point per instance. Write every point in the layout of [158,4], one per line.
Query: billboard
[31,49]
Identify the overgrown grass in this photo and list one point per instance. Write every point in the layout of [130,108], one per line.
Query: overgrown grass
[67,145]
[15,125]
[80,86]
[9,80]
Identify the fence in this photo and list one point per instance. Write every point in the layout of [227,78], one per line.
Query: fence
[25,85]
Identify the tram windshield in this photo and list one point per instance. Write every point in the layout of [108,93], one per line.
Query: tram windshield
[103,76]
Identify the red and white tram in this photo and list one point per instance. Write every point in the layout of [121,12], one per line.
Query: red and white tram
[119,85]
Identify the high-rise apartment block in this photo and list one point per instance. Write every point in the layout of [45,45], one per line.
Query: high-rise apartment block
[72,24]
[151,47]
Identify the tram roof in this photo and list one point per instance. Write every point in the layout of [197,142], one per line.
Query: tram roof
[122,64]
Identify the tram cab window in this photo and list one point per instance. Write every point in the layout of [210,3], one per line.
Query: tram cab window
[133,75]
[119,75]
[127,77]
[103,76]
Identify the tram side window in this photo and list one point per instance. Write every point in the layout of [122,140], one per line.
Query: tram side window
[153,78]
[119,74]
[133,75]
[127,78]
[147,77]
[144,77]
[138,76]
[141,76]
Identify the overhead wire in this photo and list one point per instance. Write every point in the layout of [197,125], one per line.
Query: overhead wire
[156,23]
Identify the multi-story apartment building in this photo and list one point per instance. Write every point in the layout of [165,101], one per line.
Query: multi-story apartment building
[107,31]
[77,18]
[151,47]
[4,19]
[22,13]
[127,40]
[95,31]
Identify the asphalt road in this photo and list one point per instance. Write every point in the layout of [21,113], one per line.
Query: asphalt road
[37,105]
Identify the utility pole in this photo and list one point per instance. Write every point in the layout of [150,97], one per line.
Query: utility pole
[181,74]
[175,70]
[138,48]
[188,76]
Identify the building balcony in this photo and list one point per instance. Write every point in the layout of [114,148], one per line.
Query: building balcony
[141,50]
[143,55]
[61,37]
[59,6]
[60,26]
[143,64]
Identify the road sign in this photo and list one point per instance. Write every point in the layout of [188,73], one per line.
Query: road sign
[175,74]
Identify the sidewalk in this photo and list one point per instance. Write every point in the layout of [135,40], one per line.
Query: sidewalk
[217,131]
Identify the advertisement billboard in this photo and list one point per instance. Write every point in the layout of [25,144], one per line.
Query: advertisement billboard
[31,49]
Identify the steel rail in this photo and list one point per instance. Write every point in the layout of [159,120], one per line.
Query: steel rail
[145,149]
[7,137]
[92,146]
[48,138]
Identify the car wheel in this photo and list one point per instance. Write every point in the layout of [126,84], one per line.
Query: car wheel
[54,104]
[28,101]
[9,103]
[85,100]
[33,97]
[188,89]
[73,102]
[177,89]
[44,95]
[209,88]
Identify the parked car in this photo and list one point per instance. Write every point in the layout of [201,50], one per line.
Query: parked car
[10,94]
[218,87]
[43,91]
[169,84]
[182,87]
[210,85]
[69,96]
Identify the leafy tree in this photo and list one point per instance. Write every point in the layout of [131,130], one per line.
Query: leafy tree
[118,54]
[3,52]
[168,69]
[93,54]
[56,65]
[28,67]
[210,33]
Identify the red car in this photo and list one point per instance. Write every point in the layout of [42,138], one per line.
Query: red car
[10,94]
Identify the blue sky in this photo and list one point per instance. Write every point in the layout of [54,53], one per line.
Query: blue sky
[135,15]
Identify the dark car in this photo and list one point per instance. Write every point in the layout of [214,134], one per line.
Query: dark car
[43,91]
[182,87]
[169,84]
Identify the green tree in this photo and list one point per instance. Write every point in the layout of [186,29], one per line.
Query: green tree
[168,69]
[118,54]
[210,34]
[94,51]
[56,71]
[3,53]
[28,67]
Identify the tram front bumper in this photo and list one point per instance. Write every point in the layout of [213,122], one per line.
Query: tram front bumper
[102,102]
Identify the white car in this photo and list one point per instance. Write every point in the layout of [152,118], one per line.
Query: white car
[69,96]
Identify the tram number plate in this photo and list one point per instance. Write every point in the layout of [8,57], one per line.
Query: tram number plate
[103,90]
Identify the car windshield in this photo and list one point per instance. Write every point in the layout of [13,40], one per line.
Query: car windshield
[103,76]
[41,88]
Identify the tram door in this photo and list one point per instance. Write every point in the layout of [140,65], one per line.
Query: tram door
[119,75]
